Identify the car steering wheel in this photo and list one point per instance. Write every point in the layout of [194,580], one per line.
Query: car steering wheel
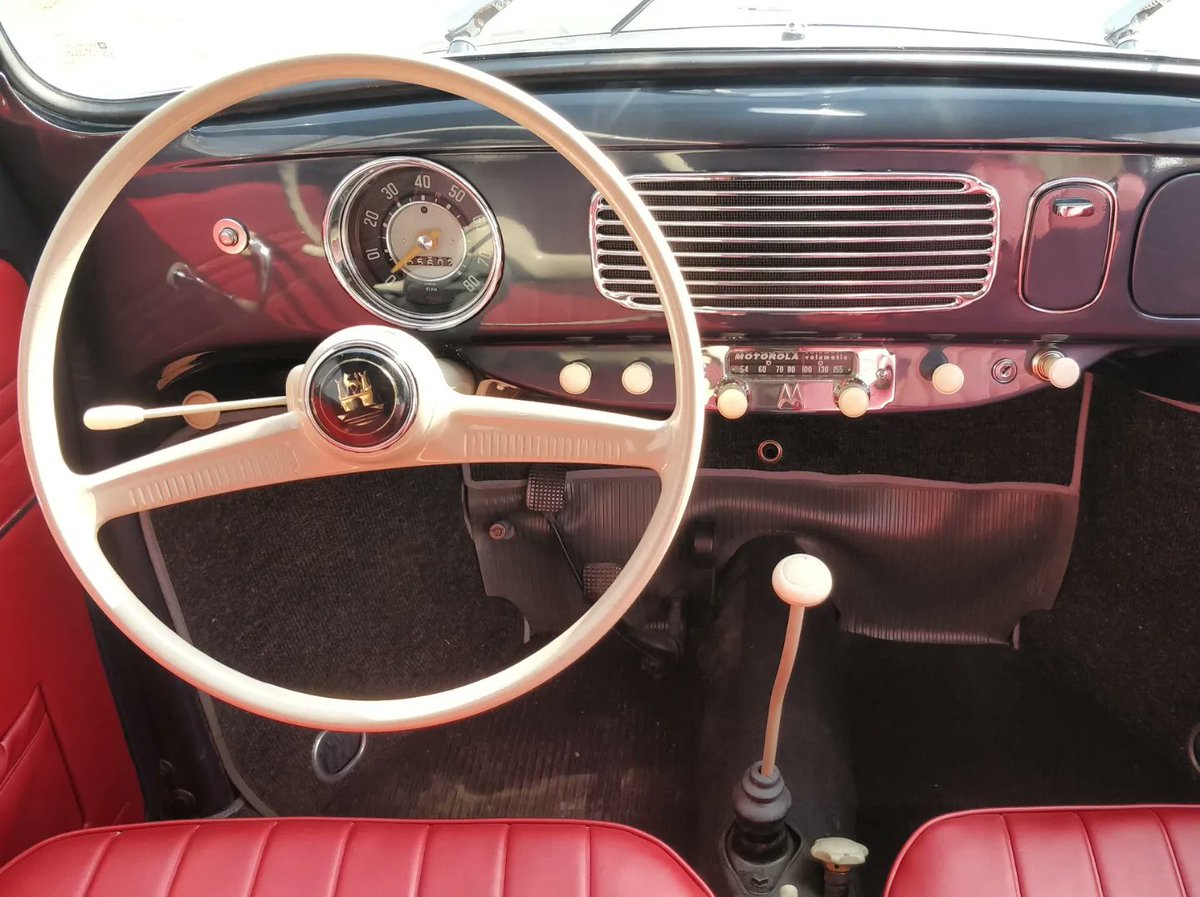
[420,420]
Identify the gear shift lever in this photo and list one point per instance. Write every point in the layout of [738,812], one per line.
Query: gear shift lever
[761,799]
[801,581]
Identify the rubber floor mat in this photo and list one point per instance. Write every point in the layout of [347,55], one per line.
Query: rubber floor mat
[913,560]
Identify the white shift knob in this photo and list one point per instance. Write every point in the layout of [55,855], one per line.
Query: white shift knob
[948,378]
[802,579]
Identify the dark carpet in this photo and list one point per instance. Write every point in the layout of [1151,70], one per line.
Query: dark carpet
[934,729]
[368,586]
[1126,626]
[330,584]
[604,740]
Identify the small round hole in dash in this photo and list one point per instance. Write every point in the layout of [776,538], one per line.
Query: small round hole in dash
[770,451]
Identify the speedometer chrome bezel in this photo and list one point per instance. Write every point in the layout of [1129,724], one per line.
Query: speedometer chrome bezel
[346,270]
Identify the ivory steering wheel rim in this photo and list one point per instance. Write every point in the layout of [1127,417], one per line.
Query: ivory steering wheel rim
[449,428]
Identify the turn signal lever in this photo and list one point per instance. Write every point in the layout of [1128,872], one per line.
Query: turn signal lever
[761,799]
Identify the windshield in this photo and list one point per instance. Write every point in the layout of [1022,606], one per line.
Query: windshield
[131,48]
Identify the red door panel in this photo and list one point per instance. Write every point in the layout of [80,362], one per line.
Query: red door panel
[15,490]
[64,762]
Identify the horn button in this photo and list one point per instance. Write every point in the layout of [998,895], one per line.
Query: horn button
[360,397]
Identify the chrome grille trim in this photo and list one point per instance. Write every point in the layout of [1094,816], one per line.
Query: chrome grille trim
[800,241]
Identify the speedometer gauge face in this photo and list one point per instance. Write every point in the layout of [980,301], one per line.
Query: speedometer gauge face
[413,242]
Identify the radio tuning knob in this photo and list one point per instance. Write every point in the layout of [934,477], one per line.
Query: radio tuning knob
[732,400]
[853,399]
[1055,368]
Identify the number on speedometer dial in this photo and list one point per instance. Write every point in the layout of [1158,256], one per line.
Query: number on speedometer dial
[413,242]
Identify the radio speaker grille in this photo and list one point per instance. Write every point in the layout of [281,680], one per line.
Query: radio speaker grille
[827,241]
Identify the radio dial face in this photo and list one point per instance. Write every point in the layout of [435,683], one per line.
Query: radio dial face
[792,364]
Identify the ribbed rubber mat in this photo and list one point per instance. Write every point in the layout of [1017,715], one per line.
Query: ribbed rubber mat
[912,560]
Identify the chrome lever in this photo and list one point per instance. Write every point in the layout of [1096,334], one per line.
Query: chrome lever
[181,273]
[1074,208]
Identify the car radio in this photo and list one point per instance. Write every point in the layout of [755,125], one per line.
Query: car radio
[784,379]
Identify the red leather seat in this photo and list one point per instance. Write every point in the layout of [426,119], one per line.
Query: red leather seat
[352,858]
[1151,851]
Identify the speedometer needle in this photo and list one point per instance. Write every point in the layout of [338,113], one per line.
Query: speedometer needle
[425,242]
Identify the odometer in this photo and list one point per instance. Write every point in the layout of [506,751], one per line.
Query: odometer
[413,242]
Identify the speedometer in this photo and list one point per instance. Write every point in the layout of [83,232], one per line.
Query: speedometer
[413,242]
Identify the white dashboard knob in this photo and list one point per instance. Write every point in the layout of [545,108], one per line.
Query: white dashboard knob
[1064,373]
[802,579]
[637,378]
[1056,368]
[854,400]
[948,378]
[732,401]
[575,378]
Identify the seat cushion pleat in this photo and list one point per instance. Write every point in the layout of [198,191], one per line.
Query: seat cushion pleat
[68,869]
[1132,854]
[220,861]
[959,856]
[143,864]
[301,858]
[383,859]
[1052,854]
[1182,825]
[625,862]
[464,859]
[547,859]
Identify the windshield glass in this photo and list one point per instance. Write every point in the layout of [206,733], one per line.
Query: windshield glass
[131,48]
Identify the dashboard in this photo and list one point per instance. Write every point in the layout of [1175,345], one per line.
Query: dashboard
[864,245]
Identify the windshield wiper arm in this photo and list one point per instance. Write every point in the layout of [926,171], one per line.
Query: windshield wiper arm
[460,36]
[629,17]
[1122,27]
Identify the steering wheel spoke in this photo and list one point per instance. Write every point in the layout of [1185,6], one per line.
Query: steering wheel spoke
[485,429]
[260,452]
